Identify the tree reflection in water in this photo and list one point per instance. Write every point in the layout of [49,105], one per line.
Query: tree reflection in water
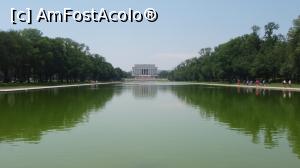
[265,115]
[25,116]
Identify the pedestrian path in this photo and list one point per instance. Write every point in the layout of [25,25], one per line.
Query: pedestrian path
[248,86]
[51,87]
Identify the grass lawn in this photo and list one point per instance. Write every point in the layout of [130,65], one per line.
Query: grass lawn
[19,85]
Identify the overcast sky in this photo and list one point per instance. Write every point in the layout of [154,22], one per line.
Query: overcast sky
[182,29]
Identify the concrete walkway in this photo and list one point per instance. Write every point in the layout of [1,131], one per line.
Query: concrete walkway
[51,87]
[247,86]
[182,83]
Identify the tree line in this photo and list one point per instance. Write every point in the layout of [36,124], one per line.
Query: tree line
[28,56]
[272,57]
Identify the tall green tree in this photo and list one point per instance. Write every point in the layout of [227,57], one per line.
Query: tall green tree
[247,57]
[294,48]
[28,56]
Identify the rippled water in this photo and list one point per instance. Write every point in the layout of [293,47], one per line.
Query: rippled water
[147,125]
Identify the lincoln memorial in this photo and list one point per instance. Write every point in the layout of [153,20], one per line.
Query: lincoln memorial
[144,71]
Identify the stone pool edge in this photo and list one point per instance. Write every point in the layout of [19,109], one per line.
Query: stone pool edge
[57,86]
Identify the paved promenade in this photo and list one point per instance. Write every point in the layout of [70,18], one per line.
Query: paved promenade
[51,87]
[12,89]
[248,86]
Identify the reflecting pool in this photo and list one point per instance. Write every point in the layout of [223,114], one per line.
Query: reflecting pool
[150,125]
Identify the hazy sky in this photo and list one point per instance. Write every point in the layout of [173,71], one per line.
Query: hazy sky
[182,29]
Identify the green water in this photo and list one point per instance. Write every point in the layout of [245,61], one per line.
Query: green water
[150,125]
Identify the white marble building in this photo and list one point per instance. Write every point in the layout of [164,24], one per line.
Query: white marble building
[144,70]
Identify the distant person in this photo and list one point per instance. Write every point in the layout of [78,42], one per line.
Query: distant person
[290,83]
[239,82]
[284,83]
[257,82]
[264,82]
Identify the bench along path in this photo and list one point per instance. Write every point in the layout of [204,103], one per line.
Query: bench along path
[51,87]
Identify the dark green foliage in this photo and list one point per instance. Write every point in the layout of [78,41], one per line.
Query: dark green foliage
[119,74]
[28,56]
[163,74]
[248,57]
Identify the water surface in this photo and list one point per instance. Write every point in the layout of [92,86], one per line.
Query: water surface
[150,125]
